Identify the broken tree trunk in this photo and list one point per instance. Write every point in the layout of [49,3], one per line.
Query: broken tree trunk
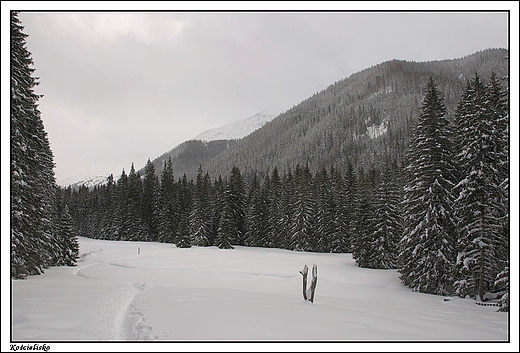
[308,293]
[304,274]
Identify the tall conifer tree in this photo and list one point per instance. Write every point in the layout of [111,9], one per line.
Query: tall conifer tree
[226,222]
[183,238]
[68,238]
[235,200]
[325,213]
[121,218]
[137,230]
[481,202]
[169,205]
[33,245]
[428,247]
[200,217]
[150,203]
[302,222]
[276,224]
[365,218]
[387,222]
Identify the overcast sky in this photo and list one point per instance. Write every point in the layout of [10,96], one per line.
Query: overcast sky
[124,87]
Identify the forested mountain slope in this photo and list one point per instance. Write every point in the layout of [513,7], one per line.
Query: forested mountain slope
[360,119]
[189,155]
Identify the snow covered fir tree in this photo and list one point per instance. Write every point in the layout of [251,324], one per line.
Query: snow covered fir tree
[428,245]
[38,241]
[482,193]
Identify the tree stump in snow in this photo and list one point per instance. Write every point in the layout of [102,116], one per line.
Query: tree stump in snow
[308,293]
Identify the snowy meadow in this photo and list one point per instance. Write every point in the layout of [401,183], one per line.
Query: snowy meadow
[132,291]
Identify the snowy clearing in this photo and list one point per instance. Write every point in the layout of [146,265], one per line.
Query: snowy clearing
[246,294]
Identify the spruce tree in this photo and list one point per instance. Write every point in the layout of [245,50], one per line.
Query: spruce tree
[169,205]
[200,217]
[427,253]
[346,197]
[150,203]
[235,200]
[502,282]
[481,201]
[288,197]
[257,217]
[387,222]
[363,228]
[226,227]
[33,245]
[275,210]
[338,238]
[302,218]
[120,223]
[137,230]
[231,221]
[325,212]
[68,236]
[498,105]
[108,209]
[218,207]
[182,236]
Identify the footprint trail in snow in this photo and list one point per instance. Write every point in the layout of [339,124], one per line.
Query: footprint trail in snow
[121,320]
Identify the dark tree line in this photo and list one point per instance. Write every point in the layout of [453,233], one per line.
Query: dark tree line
[298,210]
[42,234]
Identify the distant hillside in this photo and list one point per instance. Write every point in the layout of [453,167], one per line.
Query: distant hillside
[189,155]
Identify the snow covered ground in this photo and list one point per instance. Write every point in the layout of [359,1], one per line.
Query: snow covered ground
[129,291]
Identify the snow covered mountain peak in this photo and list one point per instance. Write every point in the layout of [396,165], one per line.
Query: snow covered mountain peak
[237,129]
[80,180]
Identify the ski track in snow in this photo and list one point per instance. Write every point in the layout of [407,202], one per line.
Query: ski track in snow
[121,320]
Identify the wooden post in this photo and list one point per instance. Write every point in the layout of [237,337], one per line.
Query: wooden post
[304,274]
